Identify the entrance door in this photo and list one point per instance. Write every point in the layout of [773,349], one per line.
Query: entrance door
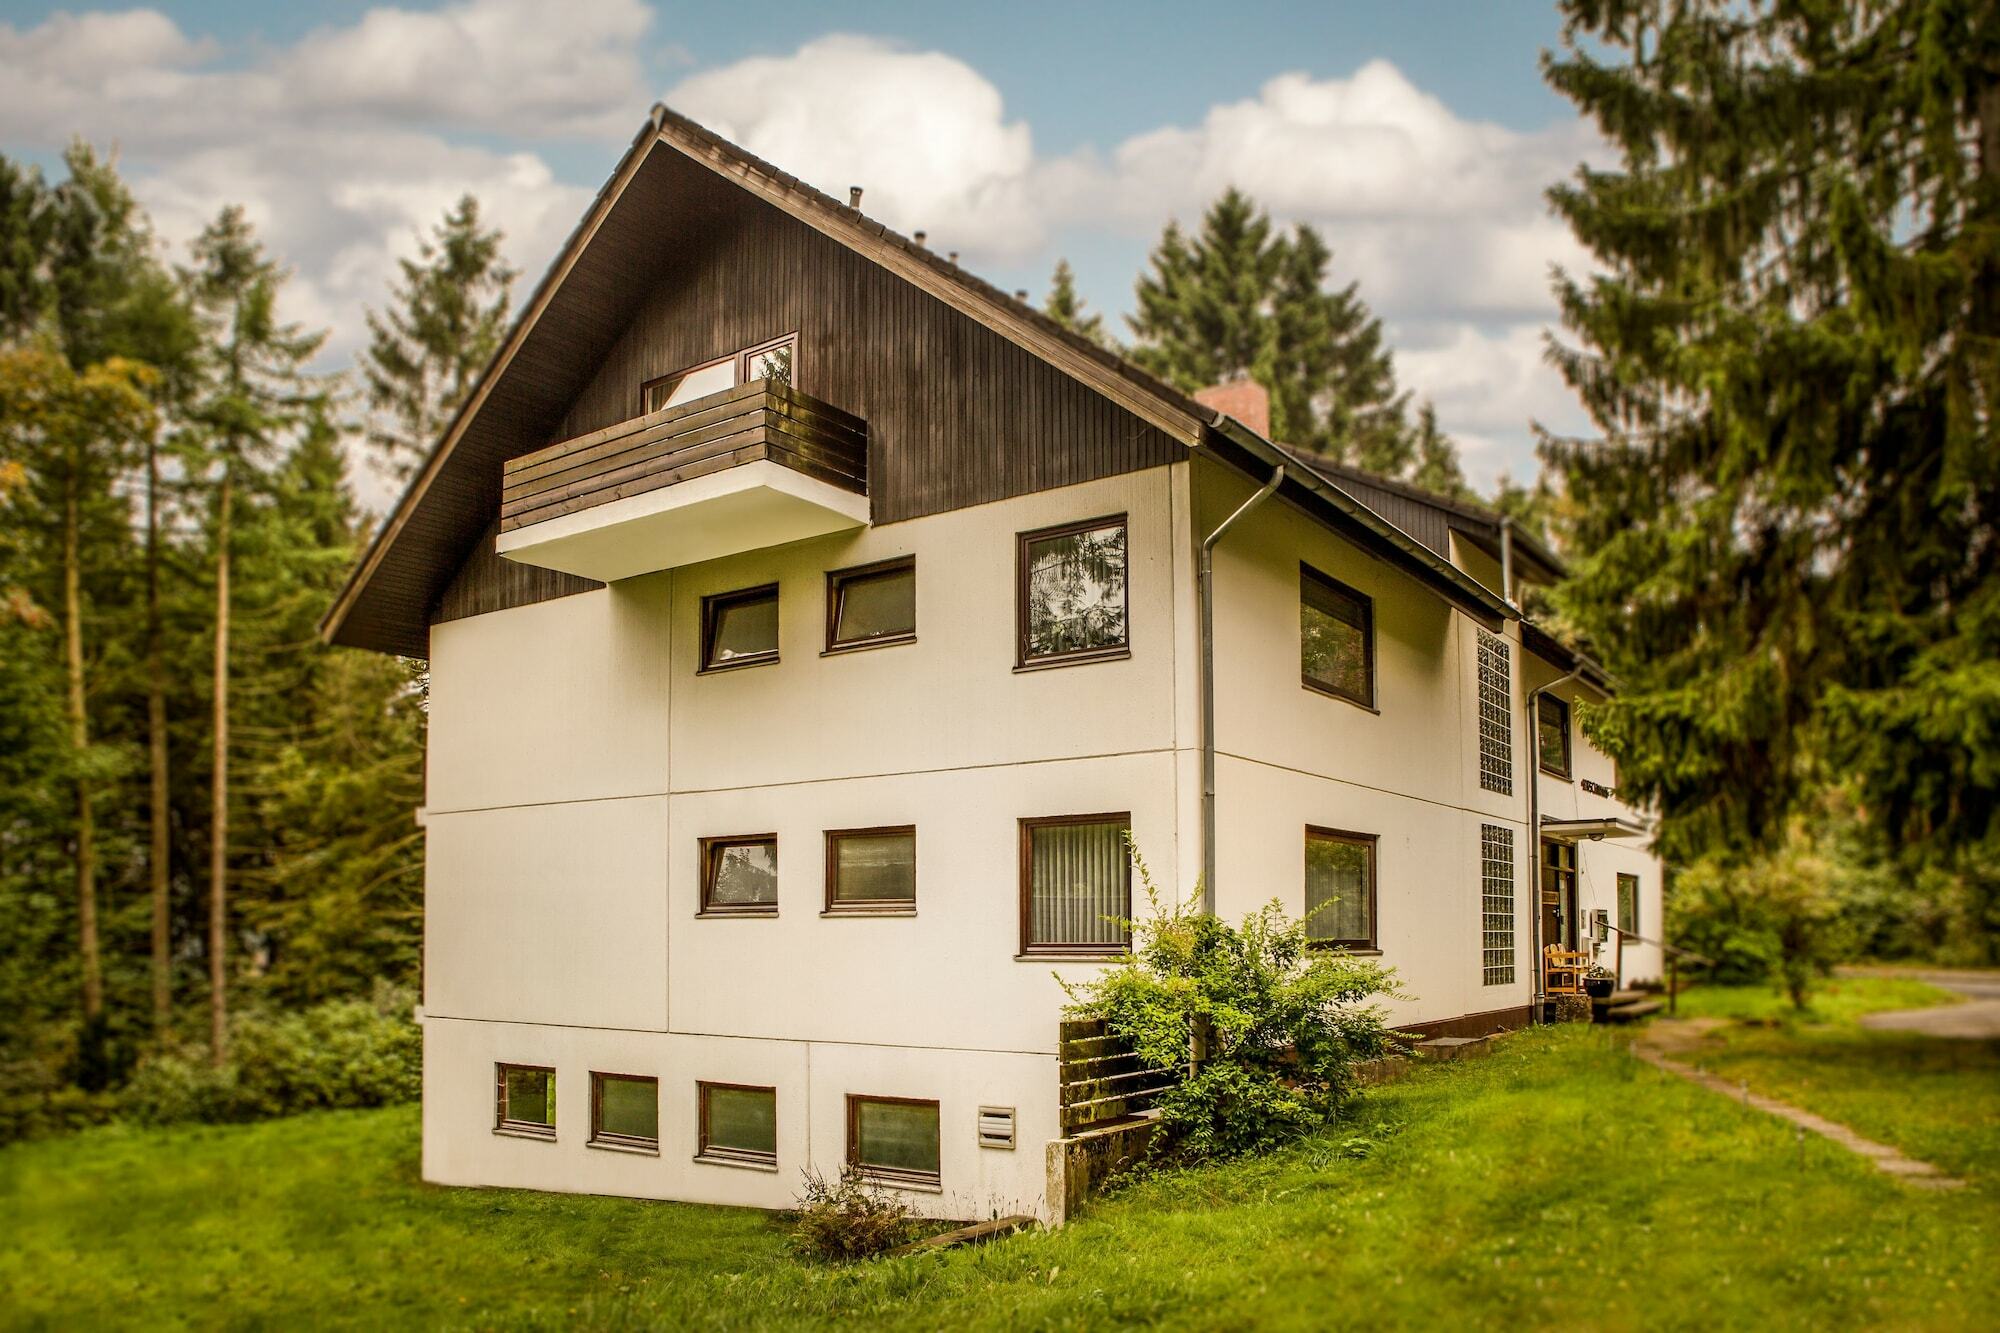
[1559,893]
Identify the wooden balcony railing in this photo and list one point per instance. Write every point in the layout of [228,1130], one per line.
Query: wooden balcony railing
[760,421]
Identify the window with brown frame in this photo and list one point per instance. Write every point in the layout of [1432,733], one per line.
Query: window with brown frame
[1076,884]
[773,360]
[625,1111]
[893,1139]
[739,629]
[737,1123]
[1628,904]
[739,875]
[872,869]
[1340,888]
[1070,593]
[525,1100]
[1552,731]
[872,605]
[1336,638]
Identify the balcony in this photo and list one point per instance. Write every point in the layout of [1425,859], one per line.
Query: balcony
[755,466]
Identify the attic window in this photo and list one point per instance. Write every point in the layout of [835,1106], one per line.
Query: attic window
[766,361]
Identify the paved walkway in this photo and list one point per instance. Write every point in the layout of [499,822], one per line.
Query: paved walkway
[1978,1019]
[1663,1040]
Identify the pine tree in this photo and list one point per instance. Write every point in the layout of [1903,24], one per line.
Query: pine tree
[1793,357]
[1434,461]
[425,351]
[1066,308]
[1244,299]
[255,392]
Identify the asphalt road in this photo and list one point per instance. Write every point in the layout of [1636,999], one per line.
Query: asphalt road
[1978,1019]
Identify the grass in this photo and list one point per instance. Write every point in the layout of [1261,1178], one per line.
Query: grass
[1555,1181]
[1935,1099]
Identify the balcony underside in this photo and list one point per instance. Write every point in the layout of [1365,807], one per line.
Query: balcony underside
[755,466]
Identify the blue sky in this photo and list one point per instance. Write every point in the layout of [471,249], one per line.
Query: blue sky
[1417,136]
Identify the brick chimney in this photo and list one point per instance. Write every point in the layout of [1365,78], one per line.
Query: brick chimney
[1243,398]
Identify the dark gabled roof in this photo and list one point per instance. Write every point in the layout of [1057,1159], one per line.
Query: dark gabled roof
[1430,517]
[1560,655]
[590,293]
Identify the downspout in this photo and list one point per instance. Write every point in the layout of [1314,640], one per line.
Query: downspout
[1535,831]
[1507,560]
[1205,590]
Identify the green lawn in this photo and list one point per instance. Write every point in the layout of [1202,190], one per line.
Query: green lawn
[1935,1099]
[1556,1182]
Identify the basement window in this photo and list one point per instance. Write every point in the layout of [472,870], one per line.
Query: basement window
[739,629]
[872,605]
[625,1111]
[739,875]
[894,1139]
[1070,594]
[1336,638]
[872,869]
[738,1123]
[525,1100]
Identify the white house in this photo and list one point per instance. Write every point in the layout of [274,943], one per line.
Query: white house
[808,622]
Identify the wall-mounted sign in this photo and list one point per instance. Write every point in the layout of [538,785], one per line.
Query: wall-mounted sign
[1597,788]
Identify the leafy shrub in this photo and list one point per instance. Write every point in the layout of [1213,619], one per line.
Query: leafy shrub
[846,1218]
[1283,1024]
[344,1053]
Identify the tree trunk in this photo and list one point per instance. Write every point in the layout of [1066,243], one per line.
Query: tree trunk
[79,735]
[156,745]
[218,846]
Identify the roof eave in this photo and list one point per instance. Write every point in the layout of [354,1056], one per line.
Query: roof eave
[1433,570]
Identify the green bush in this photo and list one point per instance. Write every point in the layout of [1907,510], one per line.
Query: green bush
[344,1053]
[846,1218]
[1283,1024]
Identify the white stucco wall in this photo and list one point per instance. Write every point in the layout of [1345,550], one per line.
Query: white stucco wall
[577,758]
[1406,770]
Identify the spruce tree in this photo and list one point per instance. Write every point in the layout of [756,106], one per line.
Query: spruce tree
[448,315]
[1243,298]
[255,392]
[1792,357]
[1066,308]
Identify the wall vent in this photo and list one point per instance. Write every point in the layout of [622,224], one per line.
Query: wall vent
[996,1127]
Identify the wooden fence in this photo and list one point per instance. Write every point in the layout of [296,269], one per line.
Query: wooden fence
[1101,1080]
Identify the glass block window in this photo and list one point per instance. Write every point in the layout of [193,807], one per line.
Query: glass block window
[1496,903]
[1496,716]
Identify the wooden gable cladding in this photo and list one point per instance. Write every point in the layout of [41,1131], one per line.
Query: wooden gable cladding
[762,420]
[694,250]
[957,414]
[488,581]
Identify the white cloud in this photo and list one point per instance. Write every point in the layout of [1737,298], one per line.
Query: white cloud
[922,132]
[348,143]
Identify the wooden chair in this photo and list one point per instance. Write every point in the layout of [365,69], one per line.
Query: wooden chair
[1562,970]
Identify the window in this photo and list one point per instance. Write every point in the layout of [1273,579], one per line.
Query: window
[625,1111]
[871,605]
[1340,888]
[1070,599]
[1496,904]
[1552,729]
[1336,638]
[1628,904]
[766,361]
[739,875]
[739,629]
[525,1100]
[872,869]
[738,1123]
[893,1138]
[1076,884]
[1496,716]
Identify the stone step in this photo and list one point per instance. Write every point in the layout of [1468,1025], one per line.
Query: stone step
[1617,997]
[1633,1011]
